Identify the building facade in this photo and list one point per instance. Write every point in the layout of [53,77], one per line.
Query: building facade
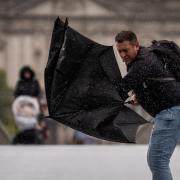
[26,26]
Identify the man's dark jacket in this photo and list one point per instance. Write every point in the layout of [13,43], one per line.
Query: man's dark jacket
[148,78]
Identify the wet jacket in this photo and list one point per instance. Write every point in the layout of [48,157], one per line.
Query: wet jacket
[29,86]
[149,80]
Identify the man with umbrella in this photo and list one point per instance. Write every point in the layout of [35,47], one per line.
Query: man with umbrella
[158,92]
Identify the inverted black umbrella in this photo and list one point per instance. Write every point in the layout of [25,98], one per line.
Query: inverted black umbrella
[81,83]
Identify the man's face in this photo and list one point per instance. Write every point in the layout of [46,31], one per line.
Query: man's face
[127,50]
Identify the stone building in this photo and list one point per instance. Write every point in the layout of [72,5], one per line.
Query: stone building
[26,26]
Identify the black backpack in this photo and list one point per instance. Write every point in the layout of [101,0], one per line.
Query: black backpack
[169,53]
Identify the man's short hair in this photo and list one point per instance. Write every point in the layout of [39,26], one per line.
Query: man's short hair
[126,36]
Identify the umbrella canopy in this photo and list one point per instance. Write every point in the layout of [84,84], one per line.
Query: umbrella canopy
[82,87]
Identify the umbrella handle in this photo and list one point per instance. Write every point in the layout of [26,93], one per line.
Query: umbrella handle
[128,102]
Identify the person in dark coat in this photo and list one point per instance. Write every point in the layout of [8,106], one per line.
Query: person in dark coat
[158,92]
[27,83]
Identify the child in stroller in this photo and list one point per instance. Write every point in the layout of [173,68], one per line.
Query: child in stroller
[26,110]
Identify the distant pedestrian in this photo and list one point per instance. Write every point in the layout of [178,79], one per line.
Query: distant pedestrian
[27,83]
[27,93]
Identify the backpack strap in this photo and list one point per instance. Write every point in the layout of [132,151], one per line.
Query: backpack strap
[163,79]
[160,79]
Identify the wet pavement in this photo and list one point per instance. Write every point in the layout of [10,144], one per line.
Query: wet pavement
[103,162]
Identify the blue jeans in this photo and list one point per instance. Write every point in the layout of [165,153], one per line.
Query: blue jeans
[165,135]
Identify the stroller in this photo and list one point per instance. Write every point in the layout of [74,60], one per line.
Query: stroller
[26,110]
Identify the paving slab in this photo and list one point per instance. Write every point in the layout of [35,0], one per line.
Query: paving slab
[83,162]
